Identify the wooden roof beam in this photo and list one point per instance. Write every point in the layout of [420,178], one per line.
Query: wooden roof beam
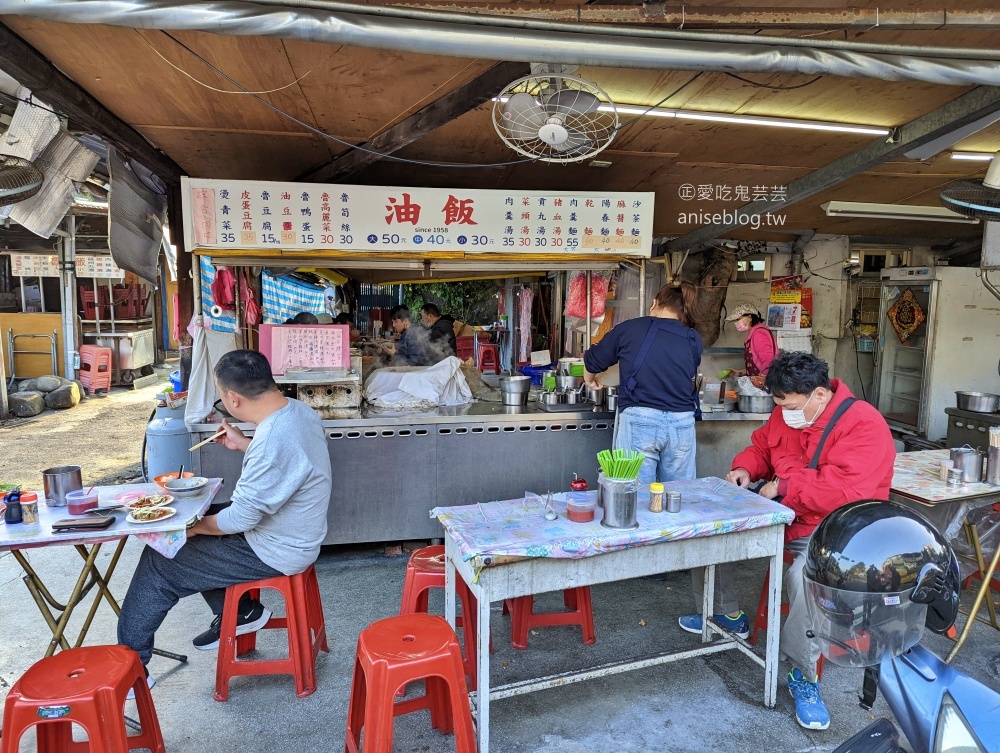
[691,17]
[31,69]
[429,118]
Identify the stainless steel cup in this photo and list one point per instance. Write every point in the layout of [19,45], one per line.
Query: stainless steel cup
[60,480]
[673,501]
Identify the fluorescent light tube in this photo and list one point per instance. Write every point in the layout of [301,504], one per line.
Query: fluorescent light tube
[894,212]
[973,156]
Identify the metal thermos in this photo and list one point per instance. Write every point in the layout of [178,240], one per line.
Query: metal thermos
[993,466]
[620,498]
[673,501]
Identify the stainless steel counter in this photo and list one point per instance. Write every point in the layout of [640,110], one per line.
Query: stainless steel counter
[391,468]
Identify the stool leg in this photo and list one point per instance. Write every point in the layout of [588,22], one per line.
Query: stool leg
[439,702]
[461,717]
[228,643]
[300,640]
[469,631]
[569,598]
[356,709]
[379,714]
[586,608]
[316,619]
[52,737]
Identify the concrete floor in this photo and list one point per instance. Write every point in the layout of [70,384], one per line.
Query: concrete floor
[695,705]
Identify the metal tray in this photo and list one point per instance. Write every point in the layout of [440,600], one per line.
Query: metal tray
[566,407]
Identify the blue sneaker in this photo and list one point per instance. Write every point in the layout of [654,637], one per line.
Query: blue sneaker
[739,625]
[810,711]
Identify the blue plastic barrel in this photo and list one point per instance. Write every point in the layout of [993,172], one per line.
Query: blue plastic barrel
[535,372]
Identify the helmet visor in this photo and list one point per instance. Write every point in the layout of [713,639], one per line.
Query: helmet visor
[857,629]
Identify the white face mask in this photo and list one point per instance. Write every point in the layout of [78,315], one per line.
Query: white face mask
[796,419]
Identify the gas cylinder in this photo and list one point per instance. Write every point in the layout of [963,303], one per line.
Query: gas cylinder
[167,441]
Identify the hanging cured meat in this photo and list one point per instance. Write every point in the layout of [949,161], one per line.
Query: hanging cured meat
[576,301]
[905,316]
[525,299]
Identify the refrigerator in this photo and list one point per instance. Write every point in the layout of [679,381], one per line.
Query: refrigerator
[956,347]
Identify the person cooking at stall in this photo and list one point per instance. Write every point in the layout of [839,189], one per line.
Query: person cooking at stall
[275,523]
[658,357]
[820,451]
[441,330]
[345,319]
[759,348]
[411,349]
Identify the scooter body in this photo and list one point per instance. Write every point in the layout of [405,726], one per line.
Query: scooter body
[938,708]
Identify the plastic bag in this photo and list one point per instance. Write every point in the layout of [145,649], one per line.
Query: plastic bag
[745,386]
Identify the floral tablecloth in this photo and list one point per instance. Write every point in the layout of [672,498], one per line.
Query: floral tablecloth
[916,483]
[518,528]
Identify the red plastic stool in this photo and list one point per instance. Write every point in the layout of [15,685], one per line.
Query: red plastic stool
[425,571]
[87,686]
[489,358]
[760,620]
[306,634]
[523,617]
[95,368]
[401,650]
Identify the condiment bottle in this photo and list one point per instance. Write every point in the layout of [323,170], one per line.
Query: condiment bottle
[578,484]
[13,512]
[656,494]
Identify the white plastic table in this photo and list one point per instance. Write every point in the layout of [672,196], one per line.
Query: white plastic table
[507,549]
[166,536]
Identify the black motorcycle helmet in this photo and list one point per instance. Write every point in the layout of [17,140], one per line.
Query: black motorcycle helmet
[877,573]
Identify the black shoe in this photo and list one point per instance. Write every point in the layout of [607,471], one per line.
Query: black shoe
[250,621]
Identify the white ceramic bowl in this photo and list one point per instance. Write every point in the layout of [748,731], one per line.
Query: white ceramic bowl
[186,487]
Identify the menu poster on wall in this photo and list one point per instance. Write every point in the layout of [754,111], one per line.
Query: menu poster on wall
[252,215]
[100,267]
[786,289]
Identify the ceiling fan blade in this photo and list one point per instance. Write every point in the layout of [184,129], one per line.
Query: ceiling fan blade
[523,116]
[572,101]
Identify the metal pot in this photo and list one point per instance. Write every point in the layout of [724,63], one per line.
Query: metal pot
[612,403]
[756,403]
[515,385]
[564,382]
[598,396]
[514,398]
[552,398]
[573,397]
[970,462]
[59,481]
[978,402]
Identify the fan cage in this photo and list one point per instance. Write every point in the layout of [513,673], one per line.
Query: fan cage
[972,199]
[591,133]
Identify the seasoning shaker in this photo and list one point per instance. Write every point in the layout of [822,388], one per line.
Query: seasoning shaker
[673,501]
[656,495]
[955,476]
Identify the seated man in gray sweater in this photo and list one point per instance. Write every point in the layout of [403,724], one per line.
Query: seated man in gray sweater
[274,526]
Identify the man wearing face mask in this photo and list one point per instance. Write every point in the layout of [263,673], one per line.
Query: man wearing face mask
[820,450]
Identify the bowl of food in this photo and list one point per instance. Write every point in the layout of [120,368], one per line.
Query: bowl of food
[163,478]
[187,487]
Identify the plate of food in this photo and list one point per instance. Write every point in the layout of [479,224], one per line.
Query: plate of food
[148,501]
[150,514]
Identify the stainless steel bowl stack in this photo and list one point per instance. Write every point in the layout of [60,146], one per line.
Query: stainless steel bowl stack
[514,390]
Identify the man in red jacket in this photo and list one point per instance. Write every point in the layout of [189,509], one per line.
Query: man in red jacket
[854,462]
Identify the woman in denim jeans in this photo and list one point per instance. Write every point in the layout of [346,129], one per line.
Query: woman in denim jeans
[658,357]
